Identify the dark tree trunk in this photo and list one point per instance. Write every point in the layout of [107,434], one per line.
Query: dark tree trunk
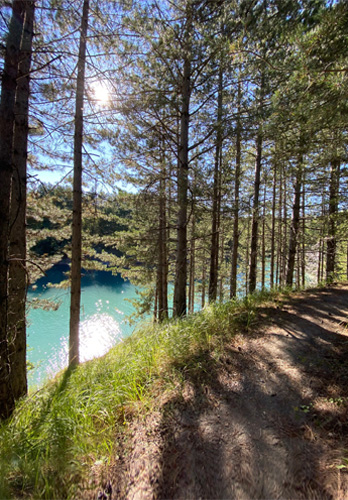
[162,248]
[192,264]
[222,277]
[319,259]
[285,231]
[255,219]
[271,278]
[331,244]
[182,180]
[76,254]
[155,308]
[263,246]
[7,119]
[17,271]
[295,222]
[303,247]
[320,274]
[256,208]
[214,248]
[298,266]
[203,279]
[247,255]
[279,275]
[237,175]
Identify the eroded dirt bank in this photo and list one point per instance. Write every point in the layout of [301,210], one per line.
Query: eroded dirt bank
[267,420]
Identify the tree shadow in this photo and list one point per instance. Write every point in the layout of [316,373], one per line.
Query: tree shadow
[261,422]
[61,385]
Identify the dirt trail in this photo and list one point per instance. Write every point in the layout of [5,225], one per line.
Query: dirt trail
[269,421]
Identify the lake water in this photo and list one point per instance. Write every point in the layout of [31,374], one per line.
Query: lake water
[104,320]
[104,311]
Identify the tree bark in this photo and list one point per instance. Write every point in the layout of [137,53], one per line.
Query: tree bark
[214,248]
[247,256]
[271,278]
[222,277]
[279,275]
[237,175]
[303,246]
[7,118]
[255,219]
[263,246]
[75,299]
[331,243]
[256,208]
[182,179]
[17,248]
[319,260]
[320,273]
[203,280]
[294,226]
[284,248]
[162,248]
[192,264]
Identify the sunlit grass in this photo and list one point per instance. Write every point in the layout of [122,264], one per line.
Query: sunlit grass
[57,433]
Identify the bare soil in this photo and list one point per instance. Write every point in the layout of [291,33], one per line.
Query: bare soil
[267,420]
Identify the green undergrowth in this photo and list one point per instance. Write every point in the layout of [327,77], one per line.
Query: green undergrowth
[60,431]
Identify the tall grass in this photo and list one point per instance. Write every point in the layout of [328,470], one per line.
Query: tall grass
[57,433]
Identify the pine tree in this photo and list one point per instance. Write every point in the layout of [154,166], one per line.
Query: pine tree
[7,120]
[76,254]
[17,288]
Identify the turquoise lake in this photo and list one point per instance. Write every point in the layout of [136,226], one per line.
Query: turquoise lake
[104,312]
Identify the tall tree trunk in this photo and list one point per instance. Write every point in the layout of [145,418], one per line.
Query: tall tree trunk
[256,208]
[237,175]
[192,264]
[279,274]
[263,245]
[285,229]
[319,260]
[155,307]
[17,270]
[182,179]
[255,219]
[321,241]
[247,255]
[222,277]
[76,253]
[333,209]
[214,248]
[274,192]
[162,248]
[298,267]
[7,119]
[303,246]
[203,280]
[294,225]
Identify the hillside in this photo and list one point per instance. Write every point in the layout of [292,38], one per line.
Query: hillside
[267,419]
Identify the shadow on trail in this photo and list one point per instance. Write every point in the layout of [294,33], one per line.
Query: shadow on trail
[262,421]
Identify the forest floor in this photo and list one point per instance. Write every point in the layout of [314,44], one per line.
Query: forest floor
[266,420]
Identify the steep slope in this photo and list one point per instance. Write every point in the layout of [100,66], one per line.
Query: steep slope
[267,419]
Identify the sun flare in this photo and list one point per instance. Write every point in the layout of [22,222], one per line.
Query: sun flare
[101,93]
